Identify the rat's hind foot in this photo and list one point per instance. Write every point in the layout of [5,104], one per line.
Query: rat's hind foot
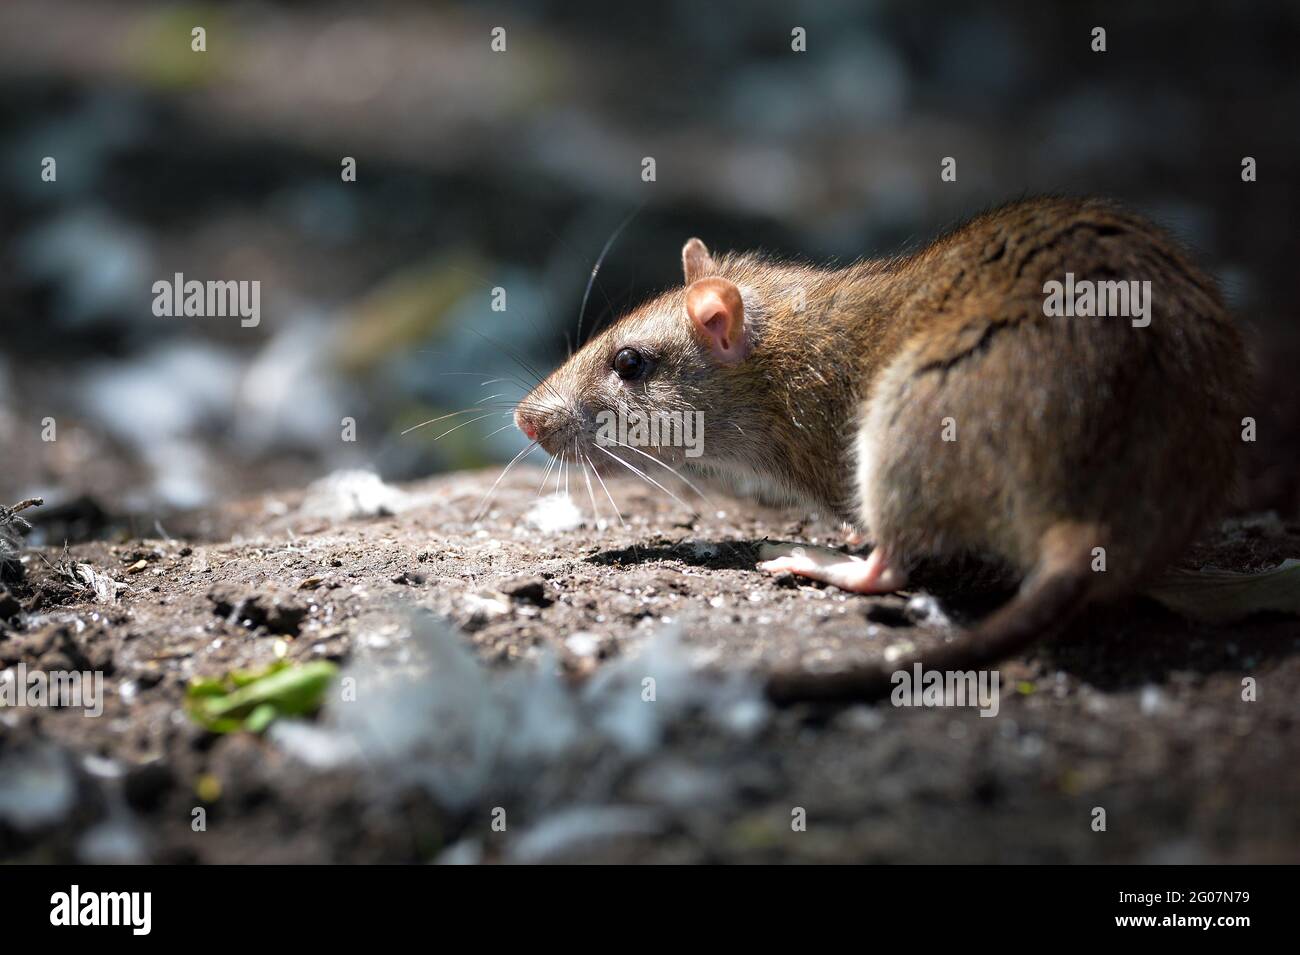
[874,575]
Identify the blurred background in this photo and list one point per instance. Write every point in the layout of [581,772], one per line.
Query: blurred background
[478,169]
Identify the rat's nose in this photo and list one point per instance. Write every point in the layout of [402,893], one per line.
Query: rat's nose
[526,426]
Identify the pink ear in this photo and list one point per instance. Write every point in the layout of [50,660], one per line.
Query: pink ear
[718,315]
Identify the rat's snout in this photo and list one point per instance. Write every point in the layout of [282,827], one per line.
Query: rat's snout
[550,428]
[542,425]
[551,424]
[525,424]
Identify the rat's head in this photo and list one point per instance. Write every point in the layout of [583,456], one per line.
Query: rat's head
[655,381]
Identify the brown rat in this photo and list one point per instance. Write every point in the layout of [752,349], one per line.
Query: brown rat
[929,401]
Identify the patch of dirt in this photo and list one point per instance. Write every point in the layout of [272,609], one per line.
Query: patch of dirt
[1133,710]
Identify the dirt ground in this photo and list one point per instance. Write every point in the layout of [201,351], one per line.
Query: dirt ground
[499,711]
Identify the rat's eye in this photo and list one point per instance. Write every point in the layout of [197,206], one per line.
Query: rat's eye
[630,364]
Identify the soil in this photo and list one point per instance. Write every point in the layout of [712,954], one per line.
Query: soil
[1133,710]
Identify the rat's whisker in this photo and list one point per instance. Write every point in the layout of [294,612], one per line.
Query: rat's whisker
[611,311]
[677,474]
[600,260]
[528,405]
[586,473]
[499,430]
[544,384]
[495,484]
[519,360]
[560,239]
[546,474]
[461,425]
[543,381]
[596,471]
[528,367]
[511,353]
[540,382]
[494,377]
[637,471]
[444,417]
[472,374]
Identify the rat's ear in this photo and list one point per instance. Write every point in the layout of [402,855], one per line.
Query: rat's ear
[696,261]
[718,316]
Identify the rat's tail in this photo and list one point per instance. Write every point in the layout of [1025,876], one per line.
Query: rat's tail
[1049,596]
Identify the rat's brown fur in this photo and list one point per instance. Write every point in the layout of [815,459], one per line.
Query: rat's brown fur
[1071,433]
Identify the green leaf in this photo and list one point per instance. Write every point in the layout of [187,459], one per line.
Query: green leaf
[252,700]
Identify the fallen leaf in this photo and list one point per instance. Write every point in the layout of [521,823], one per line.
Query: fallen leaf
[1220,596]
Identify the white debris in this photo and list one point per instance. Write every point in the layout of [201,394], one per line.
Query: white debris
[925,610]
[96,262]
[486,606]
[1151,700]
[554,514]
[317,747]
[199,382]
[37,788]
[348,494]
[896,651]
[288,388]
[862,718]
[1031,746]
[117,841]
[465,852]
[670,781]
[546,719]
[581,826]
[744,717]
[446,722]
[582,644]
[633,700]
[102,767]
